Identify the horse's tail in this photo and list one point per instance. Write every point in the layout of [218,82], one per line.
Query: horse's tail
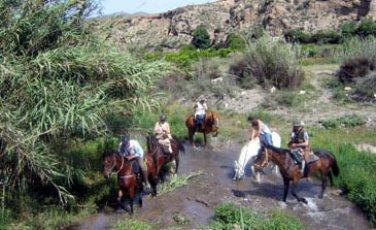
[335,168]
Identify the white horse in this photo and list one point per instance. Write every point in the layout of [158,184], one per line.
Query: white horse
[249,152]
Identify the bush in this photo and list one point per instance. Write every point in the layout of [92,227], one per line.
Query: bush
[355,68]
[298,35]
[358,58]
[366,86]
[325,37]
[349,29]
[347,121]
[270,63]
[366,28]
[236,42]
[201,38]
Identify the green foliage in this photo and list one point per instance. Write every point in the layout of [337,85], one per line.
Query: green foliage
[201,38]
[366,28]
[367,86]
[58,83]
[270,63]
[319,37]
[227,216]
[177,182]
[344,121]
[236,42]
[349,28]
[132,224]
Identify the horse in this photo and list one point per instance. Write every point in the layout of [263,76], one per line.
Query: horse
[156,159]
[130,184]
[249,152]
[210,125]
[326,165]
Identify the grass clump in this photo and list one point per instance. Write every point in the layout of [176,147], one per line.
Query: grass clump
[366,87]
[229,216]
[347,121]
[132,224]
[177,182]
[270,63]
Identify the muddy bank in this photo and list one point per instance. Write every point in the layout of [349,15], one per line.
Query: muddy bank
[196,202]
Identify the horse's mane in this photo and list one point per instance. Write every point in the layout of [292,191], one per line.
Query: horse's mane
[278,150]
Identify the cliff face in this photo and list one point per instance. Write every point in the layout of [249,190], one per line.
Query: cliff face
[222,17]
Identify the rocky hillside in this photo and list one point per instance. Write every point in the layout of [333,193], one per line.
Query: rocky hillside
[221,17]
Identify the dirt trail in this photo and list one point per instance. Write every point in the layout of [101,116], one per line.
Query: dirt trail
[197,200]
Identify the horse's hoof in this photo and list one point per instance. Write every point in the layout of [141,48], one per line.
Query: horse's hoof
[303,200]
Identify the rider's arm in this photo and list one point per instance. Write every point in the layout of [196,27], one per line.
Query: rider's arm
[157,128]
[255,134]
[205,106]
[139,152]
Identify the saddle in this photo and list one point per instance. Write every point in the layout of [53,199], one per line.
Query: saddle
[136,167]
[303,160]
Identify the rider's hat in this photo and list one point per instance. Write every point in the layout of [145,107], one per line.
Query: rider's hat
[298,124]
[125,139]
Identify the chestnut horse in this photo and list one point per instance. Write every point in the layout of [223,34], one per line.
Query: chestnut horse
[156,159]
[210,125]
[326,165]
[130,184]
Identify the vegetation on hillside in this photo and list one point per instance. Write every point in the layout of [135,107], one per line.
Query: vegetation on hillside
[269,63]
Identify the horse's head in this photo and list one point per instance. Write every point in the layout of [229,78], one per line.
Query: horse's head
[239,171]
[109,163]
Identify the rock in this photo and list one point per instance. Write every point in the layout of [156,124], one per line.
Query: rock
[222,17]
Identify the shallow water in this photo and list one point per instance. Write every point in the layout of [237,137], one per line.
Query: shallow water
[197,200]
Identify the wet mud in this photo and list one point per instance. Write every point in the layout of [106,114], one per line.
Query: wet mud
[195,202]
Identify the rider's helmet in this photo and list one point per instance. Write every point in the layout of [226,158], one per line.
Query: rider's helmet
[163,118]
[298,124]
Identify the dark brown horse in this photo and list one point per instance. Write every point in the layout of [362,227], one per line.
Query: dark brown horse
[130,184]
[156,159]
[210,125]
[326,165]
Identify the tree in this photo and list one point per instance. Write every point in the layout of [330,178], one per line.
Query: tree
[57,83]
[201,38]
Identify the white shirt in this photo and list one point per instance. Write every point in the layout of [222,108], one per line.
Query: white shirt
[201,108]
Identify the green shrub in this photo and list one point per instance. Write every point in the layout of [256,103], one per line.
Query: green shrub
[298,35]
[201,38]
[366,86]
[325,37]
[348,28]
[366,28]
[236,42]
[270,63]
[347,121]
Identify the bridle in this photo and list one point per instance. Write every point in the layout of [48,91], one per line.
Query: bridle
[114,164]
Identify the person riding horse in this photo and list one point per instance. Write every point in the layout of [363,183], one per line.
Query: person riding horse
[299,144]
[262,131]
[132,150]
[200,111]
[163,134]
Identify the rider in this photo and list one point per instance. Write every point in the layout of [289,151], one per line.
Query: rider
[261,130]
[200,111]
[131,149]
[300,141]
[163,133]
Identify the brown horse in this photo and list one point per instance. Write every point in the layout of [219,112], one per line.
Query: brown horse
[156,159]
[130,184]
[210,125]
[326,165]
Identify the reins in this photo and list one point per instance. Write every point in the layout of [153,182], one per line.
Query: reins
[122,164]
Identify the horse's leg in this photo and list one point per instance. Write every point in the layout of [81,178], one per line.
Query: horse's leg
[131,206]
[191,135]
[177,159]
[286,184]
[205,141]
[119,199]
[324,183]
[294,186]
